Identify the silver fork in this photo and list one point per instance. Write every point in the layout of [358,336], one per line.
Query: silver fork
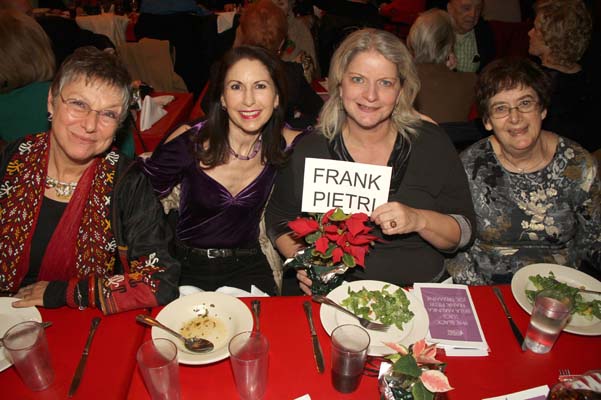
[566,375]
[367,324]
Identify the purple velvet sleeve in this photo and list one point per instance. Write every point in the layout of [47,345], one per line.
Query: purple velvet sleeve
[169,162]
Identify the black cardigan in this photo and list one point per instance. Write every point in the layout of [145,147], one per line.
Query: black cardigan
[434,180]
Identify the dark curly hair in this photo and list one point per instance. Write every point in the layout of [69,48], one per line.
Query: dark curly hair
[211,140]
[507,74]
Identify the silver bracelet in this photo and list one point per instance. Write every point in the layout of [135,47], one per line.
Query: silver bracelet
[80,306]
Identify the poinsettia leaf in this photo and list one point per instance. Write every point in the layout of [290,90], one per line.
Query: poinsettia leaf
[338,215]
[407,365]
[322,244]
[311,238]
[435,381]
[325,218]
[399,348]
[360,217]
[420,392]
[348,260]
[303,226]
[358,253]
[337,255]
[329,251]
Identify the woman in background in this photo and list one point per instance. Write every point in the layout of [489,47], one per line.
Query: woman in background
[24,79]
[560,36]
[537,195]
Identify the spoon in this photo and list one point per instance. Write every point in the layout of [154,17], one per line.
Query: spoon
[256,306]
[196,345]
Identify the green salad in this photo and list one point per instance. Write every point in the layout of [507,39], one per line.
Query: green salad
[588,309]
[388,308]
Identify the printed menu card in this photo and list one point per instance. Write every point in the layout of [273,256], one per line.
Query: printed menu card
[454,323]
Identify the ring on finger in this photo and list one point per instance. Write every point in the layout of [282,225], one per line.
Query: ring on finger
[393,224]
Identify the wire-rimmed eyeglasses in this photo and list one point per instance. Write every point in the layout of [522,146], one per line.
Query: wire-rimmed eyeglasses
[81,109]
[503,110]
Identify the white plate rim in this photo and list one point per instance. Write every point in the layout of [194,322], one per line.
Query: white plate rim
[420,322]
[23,314]
[244,322]
[520,282]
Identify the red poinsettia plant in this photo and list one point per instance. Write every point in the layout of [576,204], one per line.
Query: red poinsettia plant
[335,237]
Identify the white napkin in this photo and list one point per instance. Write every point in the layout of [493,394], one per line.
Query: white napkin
[225,21]
[232,291]
[152,110]
[529,394]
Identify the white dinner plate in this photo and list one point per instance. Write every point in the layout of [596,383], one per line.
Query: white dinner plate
[9,317]
[413,330]
[230,311]
[578,324]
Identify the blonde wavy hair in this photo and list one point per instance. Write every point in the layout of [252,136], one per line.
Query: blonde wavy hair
[404,117]
[26,51]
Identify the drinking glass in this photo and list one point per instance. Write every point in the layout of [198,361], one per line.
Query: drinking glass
[27,347]
[349,352]
[549,316]
[249,355]
[157,359]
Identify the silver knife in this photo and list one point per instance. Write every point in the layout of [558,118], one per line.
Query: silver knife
[84,357]
[514,327]
[316,347]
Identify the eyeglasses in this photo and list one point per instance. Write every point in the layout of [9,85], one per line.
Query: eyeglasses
[81,109]
[503,110]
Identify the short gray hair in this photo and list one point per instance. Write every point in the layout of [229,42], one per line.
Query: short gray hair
[94,65]
[431,37]
[404,116]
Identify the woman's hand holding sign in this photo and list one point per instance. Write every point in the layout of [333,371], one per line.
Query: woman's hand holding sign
[395,218]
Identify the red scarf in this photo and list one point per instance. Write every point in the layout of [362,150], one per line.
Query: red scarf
[81,244]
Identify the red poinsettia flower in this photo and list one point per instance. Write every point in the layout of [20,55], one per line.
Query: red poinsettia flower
[322,244]
[303,226]
[336,237]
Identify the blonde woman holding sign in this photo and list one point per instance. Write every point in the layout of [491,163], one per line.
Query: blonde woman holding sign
[370,119]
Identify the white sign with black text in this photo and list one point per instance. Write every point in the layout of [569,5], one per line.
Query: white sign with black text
[351,186]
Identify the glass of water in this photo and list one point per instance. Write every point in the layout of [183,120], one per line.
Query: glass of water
[550,315]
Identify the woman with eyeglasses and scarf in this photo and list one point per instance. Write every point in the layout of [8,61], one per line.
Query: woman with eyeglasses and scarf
[80,224]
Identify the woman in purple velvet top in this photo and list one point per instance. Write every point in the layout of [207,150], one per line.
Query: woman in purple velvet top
[226,166]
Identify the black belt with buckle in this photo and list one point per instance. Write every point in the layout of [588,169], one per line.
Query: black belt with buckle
[218,253]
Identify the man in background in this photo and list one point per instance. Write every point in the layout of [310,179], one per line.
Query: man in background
[474,44]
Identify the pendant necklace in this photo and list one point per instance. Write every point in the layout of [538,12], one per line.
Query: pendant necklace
[252,154]
[62,189]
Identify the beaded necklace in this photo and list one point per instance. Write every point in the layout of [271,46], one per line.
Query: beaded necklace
[252,154]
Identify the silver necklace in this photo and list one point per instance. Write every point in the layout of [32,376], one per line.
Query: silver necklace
[62,189]
[519,170]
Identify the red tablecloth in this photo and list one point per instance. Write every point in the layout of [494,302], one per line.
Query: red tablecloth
[177,112]
[292,370]
[110,363]
[507,368]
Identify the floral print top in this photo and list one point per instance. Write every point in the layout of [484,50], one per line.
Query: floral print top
[549,216]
